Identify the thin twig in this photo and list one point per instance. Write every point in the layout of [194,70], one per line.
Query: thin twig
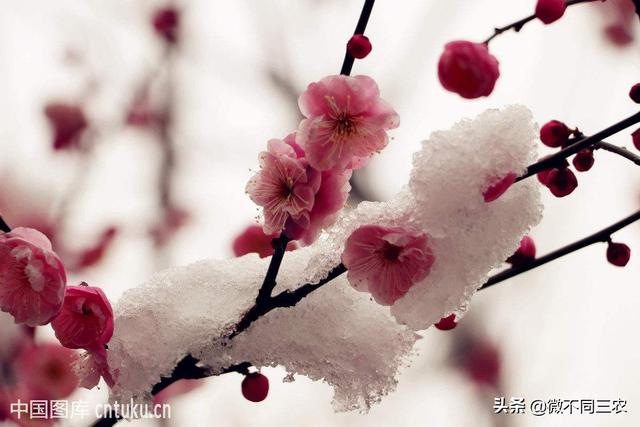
[517,26]
[348,61]
[572,149]
[621,151]
[601,236]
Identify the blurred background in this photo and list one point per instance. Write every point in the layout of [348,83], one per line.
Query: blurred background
[128,130]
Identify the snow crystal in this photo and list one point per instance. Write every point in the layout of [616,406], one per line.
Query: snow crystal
[337,334]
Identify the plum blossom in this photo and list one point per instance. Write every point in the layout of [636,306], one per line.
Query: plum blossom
[32,277]
[86,319]
[345,121]
[296,198]
[386,261]
[47,371]
[282,187]
[468,69]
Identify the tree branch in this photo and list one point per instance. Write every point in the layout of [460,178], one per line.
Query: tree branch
[348,61]
[517,26]
[4,226]
[601,236]
[572,149]
[621,151]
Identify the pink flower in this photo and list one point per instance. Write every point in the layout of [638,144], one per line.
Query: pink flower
[253,240]
[346,121]
[47,371]
[86,319]
[32,277]
[297,199]
[468,69]
[386,261]
[284,187]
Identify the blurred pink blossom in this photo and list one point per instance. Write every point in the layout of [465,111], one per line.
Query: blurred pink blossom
[47,371]
[32,277]
[67,121]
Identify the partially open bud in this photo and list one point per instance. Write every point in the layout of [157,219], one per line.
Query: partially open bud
[86,319]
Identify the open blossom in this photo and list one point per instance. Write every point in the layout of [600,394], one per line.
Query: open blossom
[47,371]
[386,261]
[345,121]
[32,277]
[468,69]
[86,319]
[296,198]
[283,187]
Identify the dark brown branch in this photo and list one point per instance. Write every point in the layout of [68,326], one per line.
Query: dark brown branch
[601,236]
[4,226]
[621,151]
[517,26]
[347,64]
[264,301]
[572,149]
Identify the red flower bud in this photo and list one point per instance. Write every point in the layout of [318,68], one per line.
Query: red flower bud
[583,160]
[255,387]
[618,254]
[165,21]
[554,133]
[447,323]
[359,46]
[561,182]
[468,69]
[635,136]
[634,93]
[549,11]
